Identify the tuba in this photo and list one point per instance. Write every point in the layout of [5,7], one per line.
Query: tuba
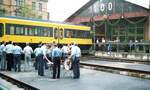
[67,64]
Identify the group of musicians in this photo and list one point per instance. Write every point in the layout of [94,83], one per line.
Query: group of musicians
[44,54]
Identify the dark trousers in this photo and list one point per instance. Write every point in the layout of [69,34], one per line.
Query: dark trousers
[45,64]
[76,67]
[56,67]
[17,62]
[3,61]
[36,63]
[9,61]
[40,65]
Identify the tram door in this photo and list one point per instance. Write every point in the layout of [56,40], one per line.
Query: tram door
[1,29]
[58,34]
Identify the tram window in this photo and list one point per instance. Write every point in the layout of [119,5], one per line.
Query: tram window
[69,34]
[12,30]
[61,33]
[50,31]
[33,31]
[30,31]
[76,34]
[41,31]
[36,31]
[1,29]
[7,29]
[22,30]
[87,34]
[56,33]
[17,30]
[26,31]
[79,34]
[45,32]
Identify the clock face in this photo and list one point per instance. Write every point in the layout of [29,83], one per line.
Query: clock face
[104,6]
[110,6]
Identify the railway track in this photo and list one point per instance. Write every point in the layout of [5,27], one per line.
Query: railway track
[147,62]
[117,70]
[21,84]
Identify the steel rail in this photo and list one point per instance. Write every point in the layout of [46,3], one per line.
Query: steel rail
[115,68]
[117,60]
[18,83]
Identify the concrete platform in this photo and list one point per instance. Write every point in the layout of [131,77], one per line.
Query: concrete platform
[132,66]
[90,80]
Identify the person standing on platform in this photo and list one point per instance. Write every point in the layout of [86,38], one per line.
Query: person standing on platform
[75,56]
[27,56]
[44,48]
[56,57]
[65,51]
[9,55]
[39,60]
[17,50]
[49,52]
[3,56]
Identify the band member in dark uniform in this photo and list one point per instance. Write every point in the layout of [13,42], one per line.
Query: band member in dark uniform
[40,61]
[56,57]
[75,55]
[9,55]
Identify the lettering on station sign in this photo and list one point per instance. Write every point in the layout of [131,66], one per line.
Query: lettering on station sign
[108,6]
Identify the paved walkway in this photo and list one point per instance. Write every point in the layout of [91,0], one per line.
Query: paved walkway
[133,66]
[90,80]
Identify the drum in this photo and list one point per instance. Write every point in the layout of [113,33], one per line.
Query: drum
[67,64]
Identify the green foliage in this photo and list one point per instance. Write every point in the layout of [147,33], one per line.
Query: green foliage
[26,11]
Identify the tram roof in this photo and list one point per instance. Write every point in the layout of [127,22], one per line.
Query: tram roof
[39,20]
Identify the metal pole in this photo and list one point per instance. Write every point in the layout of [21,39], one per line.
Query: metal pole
[106,22]
[93,27]
[106,17]
[149,5]
[94,37]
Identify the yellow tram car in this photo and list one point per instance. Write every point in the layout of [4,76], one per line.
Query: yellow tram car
[21,30]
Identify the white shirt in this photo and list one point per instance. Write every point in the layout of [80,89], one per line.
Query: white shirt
[27,50]
[2,48]
[9,48]
[78,51]
[44,48]
[17,50]
[65,49]
[38,51]
[73,50]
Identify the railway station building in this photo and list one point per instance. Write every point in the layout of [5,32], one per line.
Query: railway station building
[116,20]
[25,8]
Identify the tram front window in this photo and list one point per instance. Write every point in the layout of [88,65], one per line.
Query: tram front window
[1,29]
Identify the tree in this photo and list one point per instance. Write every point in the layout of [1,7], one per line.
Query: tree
[27,11]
